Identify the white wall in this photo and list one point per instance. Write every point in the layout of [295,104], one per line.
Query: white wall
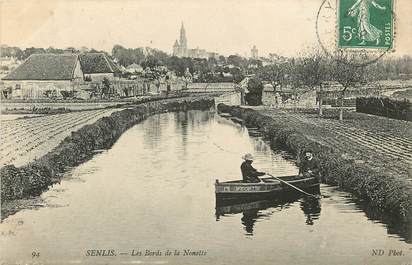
[230,99]
[36,88]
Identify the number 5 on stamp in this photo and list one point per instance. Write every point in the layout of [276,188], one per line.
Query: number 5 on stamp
[365,24]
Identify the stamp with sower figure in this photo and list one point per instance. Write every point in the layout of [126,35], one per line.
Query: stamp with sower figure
[365,24]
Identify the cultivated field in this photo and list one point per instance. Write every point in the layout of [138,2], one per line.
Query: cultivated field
[383,143]
[24,140]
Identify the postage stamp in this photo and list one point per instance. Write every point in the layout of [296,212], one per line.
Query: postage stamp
[365,24]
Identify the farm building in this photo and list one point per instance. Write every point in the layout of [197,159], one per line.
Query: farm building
[42,75]
[97,66]
[134,68]
[269,96]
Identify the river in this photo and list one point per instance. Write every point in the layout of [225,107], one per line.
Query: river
[153,193]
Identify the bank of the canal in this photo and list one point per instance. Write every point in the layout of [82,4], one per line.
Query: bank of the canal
[37,176]
[386,193]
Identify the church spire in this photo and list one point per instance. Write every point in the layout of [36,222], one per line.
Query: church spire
[183,40]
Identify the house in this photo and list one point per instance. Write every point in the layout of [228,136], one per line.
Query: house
[269,96]
[97,66]
[8,64]
[42,75]
[134,68]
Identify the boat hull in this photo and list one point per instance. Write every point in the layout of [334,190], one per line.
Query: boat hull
[270,188]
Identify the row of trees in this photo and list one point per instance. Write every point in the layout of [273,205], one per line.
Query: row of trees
[22,54]
[312,71]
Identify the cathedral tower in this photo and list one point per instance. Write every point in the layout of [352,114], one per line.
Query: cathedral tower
[183,40]
[180,47]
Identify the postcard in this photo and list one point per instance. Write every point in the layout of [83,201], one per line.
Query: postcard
[206,132]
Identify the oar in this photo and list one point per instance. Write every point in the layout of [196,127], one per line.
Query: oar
[296,188]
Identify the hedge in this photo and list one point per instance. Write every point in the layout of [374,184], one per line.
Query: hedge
[391,108]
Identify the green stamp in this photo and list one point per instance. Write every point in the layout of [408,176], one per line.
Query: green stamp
[365,24]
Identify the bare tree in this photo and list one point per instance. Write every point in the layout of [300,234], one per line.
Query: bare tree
[314,72]
[347,74]
[274,73]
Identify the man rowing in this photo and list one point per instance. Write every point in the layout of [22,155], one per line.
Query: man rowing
[309,166]
[249,173]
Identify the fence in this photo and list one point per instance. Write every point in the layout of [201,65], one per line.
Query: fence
[336,102]
[130,88]
[391,108]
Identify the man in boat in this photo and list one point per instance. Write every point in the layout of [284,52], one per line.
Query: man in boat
[309,166]
[249,173]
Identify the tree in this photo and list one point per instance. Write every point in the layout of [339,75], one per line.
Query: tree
[347,74]
[236,60]
[54,50]
[255,62]
[222,60]
[237,74]
[314,72]
[274,73]
[255,87]
[127,57]
[211,64]
[7,51]
[179,65]
[29,51]
[106,87]
[150,61]
[71,50]
[161,56]
[201,70]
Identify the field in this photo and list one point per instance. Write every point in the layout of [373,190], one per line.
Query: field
[367,155]
[24,140]
[383,143]
[45,138]
[404,94]
[17,107]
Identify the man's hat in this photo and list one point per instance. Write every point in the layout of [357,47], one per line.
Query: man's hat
[248,156]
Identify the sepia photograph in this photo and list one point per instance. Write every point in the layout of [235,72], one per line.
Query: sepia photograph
[200,132]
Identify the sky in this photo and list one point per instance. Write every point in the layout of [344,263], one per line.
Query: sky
[285,27]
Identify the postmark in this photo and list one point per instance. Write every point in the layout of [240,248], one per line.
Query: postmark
[362,30]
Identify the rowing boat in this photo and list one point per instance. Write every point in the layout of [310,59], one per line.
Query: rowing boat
[269,188]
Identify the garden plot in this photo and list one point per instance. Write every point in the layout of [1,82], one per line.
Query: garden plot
[361,137]
[24,140]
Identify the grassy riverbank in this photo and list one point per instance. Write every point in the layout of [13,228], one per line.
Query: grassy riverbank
[33,178]
[356,159]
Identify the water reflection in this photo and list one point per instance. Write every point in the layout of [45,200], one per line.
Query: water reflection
[311,208]
[153,130]
[393,226]
[255,211]
[248,220]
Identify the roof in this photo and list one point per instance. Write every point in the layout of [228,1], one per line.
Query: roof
[97,63]
[268,88]
[45,67]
